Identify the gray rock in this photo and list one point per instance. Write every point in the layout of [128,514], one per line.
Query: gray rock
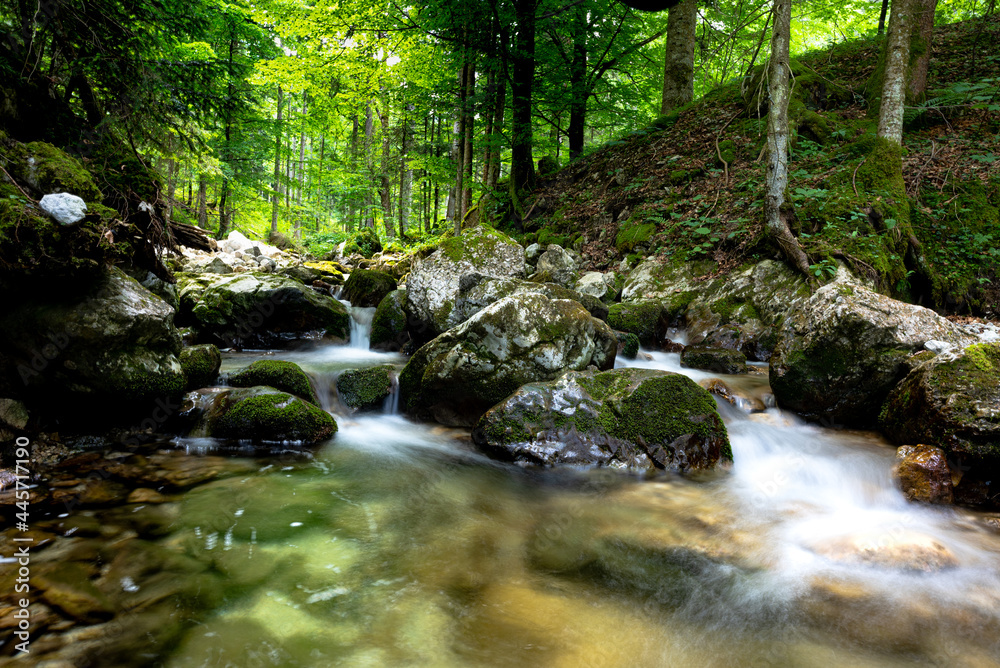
[476,292]
[557,266]
[598,285]
[532,253]
[65,208]
[938,346]
[517,340]
[433,284]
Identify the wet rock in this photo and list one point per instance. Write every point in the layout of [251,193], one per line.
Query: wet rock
[13,419]
[953,401]
[279,374]
[92,492]
[258,414]
[433,285]
[254,309]
[389,323]
[719,360]
[145,495]
[366,389]
[516,340]
[626,418]
[557,266]
[201,365]
[628,345]
[743,400]
[846,348]
[922,473]
[895,550]
[67,586]
[644,319]
[365,287]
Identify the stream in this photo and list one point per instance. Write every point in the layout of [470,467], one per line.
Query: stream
[398,544]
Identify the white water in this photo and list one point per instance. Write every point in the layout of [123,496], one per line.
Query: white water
[361,325]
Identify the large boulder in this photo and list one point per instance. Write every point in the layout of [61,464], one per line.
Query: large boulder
[201,365]
[366,389]
[719,360]
[258,414]
[476,292]
[433,285]
[279,374]
[596,284]
[557,266]
[625,418]
[258,310]
[456,377]
[389,323]
[952,400]
[841,353]
[645,319]
[116,344]
[365,287]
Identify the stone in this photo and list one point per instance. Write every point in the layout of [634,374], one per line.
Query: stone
[938,346]
[366,389]
[236,241]
[598,285]
[719,360]
[532,253]
[625,418]
[367,288]
[644,319]
[558,265]
[389,323]
[628,345]
[13,416]
[457,376]
[433,285]
[258,310]
[901,549]
[922,473]
[65,208]
[145,495]
[281,375]
[257,414]
[67,586]
[201,365]
[476,292]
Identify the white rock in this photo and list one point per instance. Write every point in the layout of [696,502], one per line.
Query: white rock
[236,241]
[65,208]
[938,346]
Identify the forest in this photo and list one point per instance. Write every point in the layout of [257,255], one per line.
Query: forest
[500,333]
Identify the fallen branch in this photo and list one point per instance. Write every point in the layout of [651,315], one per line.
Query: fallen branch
[854,177]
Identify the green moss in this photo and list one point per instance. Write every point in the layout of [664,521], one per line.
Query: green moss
[54,171]
[678,304]
[628,345]
[201,365]
[719,360]
[262,414]
[364,242]
[644,319]
[365,287]
[285,376]
[632,235]
[365,389]
[730,306]
[547,237]
[547,165]
[389,323]
[480,242]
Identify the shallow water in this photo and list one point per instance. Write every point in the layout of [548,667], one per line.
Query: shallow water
[398,544]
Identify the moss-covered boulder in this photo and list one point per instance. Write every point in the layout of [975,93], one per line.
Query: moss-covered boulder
[258,414]
[389,323]
[364,242]
[951,400]
[279,374]
[476,292]
[456,377]
[628,345]
[632,418]
[644,319]
[846,347]
[115,344]
[365,287]
[433,286]
[257,310]
[557,266]
[366,389]
[719,360]
[201,365]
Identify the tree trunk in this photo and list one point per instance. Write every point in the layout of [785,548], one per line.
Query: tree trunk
[405,180]
[522,164]
[579,90]
[922,33]
[276,202]
[385,192]
[881,17]
[202,201]
[777,139]
[301,166]
[470,119]
[897,58]
[678,73]
[369,220]
[223,218]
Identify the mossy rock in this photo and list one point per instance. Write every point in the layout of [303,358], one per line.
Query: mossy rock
[264,414]
[48,169]
[389,324]
[285,376]
[719,360]
[951,400]
[365,287]
[644,319]
[201,365]
[364,242]
[366,389]
[632,235]
[280,241]
[547,166]
[639,419]
[329,271]
[628,345]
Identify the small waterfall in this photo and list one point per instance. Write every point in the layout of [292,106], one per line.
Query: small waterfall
[391,404]
[361,325]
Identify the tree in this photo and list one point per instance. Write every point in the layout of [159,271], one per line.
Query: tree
[897,58]
[777,139]
[678,72]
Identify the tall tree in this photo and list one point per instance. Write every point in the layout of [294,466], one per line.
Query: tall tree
[897,59]
[276,184]
[678,72]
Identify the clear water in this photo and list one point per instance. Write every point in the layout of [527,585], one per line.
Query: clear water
[397,544]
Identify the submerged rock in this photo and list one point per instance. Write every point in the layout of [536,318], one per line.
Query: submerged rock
[456,377]
[365,287]
[433,285]
[389,323]
[896,550]
[922,473]
[258,414]
[628,418]
[201,365]
[254,309]
[285,376]
[366,389]
[719,360]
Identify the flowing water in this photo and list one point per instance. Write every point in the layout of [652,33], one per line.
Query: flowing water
[397,544]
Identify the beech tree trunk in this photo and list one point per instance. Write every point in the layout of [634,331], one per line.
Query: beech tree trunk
[921,35]
[522,164]
[579,90]
[202,201]
[897,59]
[385,190]
[369,220]
[777,139]
[678,71]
